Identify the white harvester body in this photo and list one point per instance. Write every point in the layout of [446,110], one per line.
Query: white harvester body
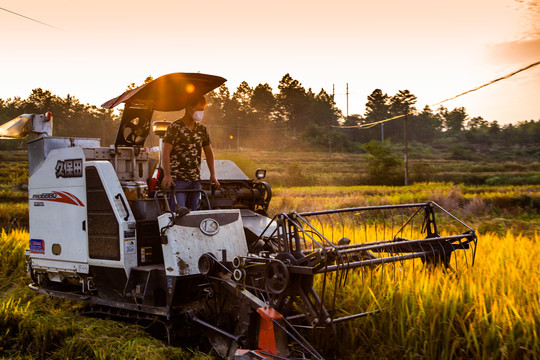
[82,200]
[216,232]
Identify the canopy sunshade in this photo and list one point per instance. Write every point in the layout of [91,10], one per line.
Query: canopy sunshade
[168,92]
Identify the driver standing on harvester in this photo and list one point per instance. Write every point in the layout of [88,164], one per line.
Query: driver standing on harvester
[181,155]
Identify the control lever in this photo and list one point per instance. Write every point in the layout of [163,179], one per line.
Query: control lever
[212,192]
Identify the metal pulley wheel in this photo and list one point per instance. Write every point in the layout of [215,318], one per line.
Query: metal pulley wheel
[276,276]
[238,262]
[239,274]
[206,263]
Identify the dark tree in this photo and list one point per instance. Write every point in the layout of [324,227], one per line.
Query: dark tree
[425,127]
[323,110]
[377,106]
[293,103]
[402,103]
[454,121]
[263,103]
[377,109]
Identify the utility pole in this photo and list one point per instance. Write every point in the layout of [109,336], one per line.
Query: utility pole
[382,131]
[347,93]
[330,139]
[237,137]
[406,152]
[330,126]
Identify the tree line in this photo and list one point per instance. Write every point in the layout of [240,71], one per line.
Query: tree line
[315,119]
[291,117]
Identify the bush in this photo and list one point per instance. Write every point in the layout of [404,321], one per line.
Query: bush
[295,176]
[383,166]
[513,180]
[421,172]
[458,152]
[326,140]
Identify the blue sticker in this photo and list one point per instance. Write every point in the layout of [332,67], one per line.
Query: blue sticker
[37,246]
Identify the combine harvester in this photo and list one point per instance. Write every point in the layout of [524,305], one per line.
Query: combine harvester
[256,287]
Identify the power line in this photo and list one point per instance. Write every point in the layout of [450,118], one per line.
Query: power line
[29,18]
[491,82]
[245,127]
[370,125]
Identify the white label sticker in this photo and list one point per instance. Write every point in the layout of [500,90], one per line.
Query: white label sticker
[130,246]
[83,268]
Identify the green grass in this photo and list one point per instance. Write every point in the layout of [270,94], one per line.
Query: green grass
[13,215]
[309,168]
[13,180]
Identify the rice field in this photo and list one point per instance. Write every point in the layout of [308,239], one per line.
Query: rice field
[39,327]
[499,209]
[488,311]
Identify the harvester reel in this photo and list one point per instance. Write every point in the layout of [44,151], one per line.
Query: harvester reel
[276,276]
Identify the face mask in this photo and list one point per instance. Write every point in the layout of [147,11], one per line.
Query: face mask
[198,116]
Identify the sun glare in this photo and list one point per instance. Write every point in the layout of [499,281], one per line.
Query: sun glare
[190,88]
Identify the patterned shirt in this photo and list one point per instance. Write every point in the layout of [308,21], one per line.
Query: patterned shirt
[186,151]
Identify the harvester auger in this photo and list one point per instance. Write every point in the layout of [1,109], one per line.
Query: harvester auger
[255,287]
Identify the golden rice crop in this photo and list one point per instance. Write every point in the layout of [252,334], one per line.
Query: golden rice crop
[13,215]
[39,327]
[12,261]
[488,208]
[448,195]
[488,311]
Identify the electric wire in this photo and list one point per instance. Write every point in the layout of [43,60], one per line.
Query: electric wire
[372,124]
[245,127]
[29,18]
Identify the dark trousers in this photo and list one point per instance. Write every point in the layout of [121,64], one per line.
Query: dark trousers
[189,199]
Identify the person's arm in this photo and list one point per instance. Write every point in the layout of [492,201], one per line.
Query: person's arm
[209,154]
[166,164]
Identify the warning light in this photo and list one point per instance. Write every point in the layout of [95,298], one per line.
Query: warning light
[190,88]
[160,127]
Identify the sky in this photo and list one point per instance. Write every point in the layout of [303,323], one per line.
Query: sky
[436,49]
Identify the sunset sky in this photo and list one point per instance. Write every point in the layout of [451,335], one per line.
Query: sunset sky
[436,49]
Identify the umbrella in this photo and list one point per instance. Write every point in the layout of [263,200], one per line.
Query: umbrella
[168,92]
